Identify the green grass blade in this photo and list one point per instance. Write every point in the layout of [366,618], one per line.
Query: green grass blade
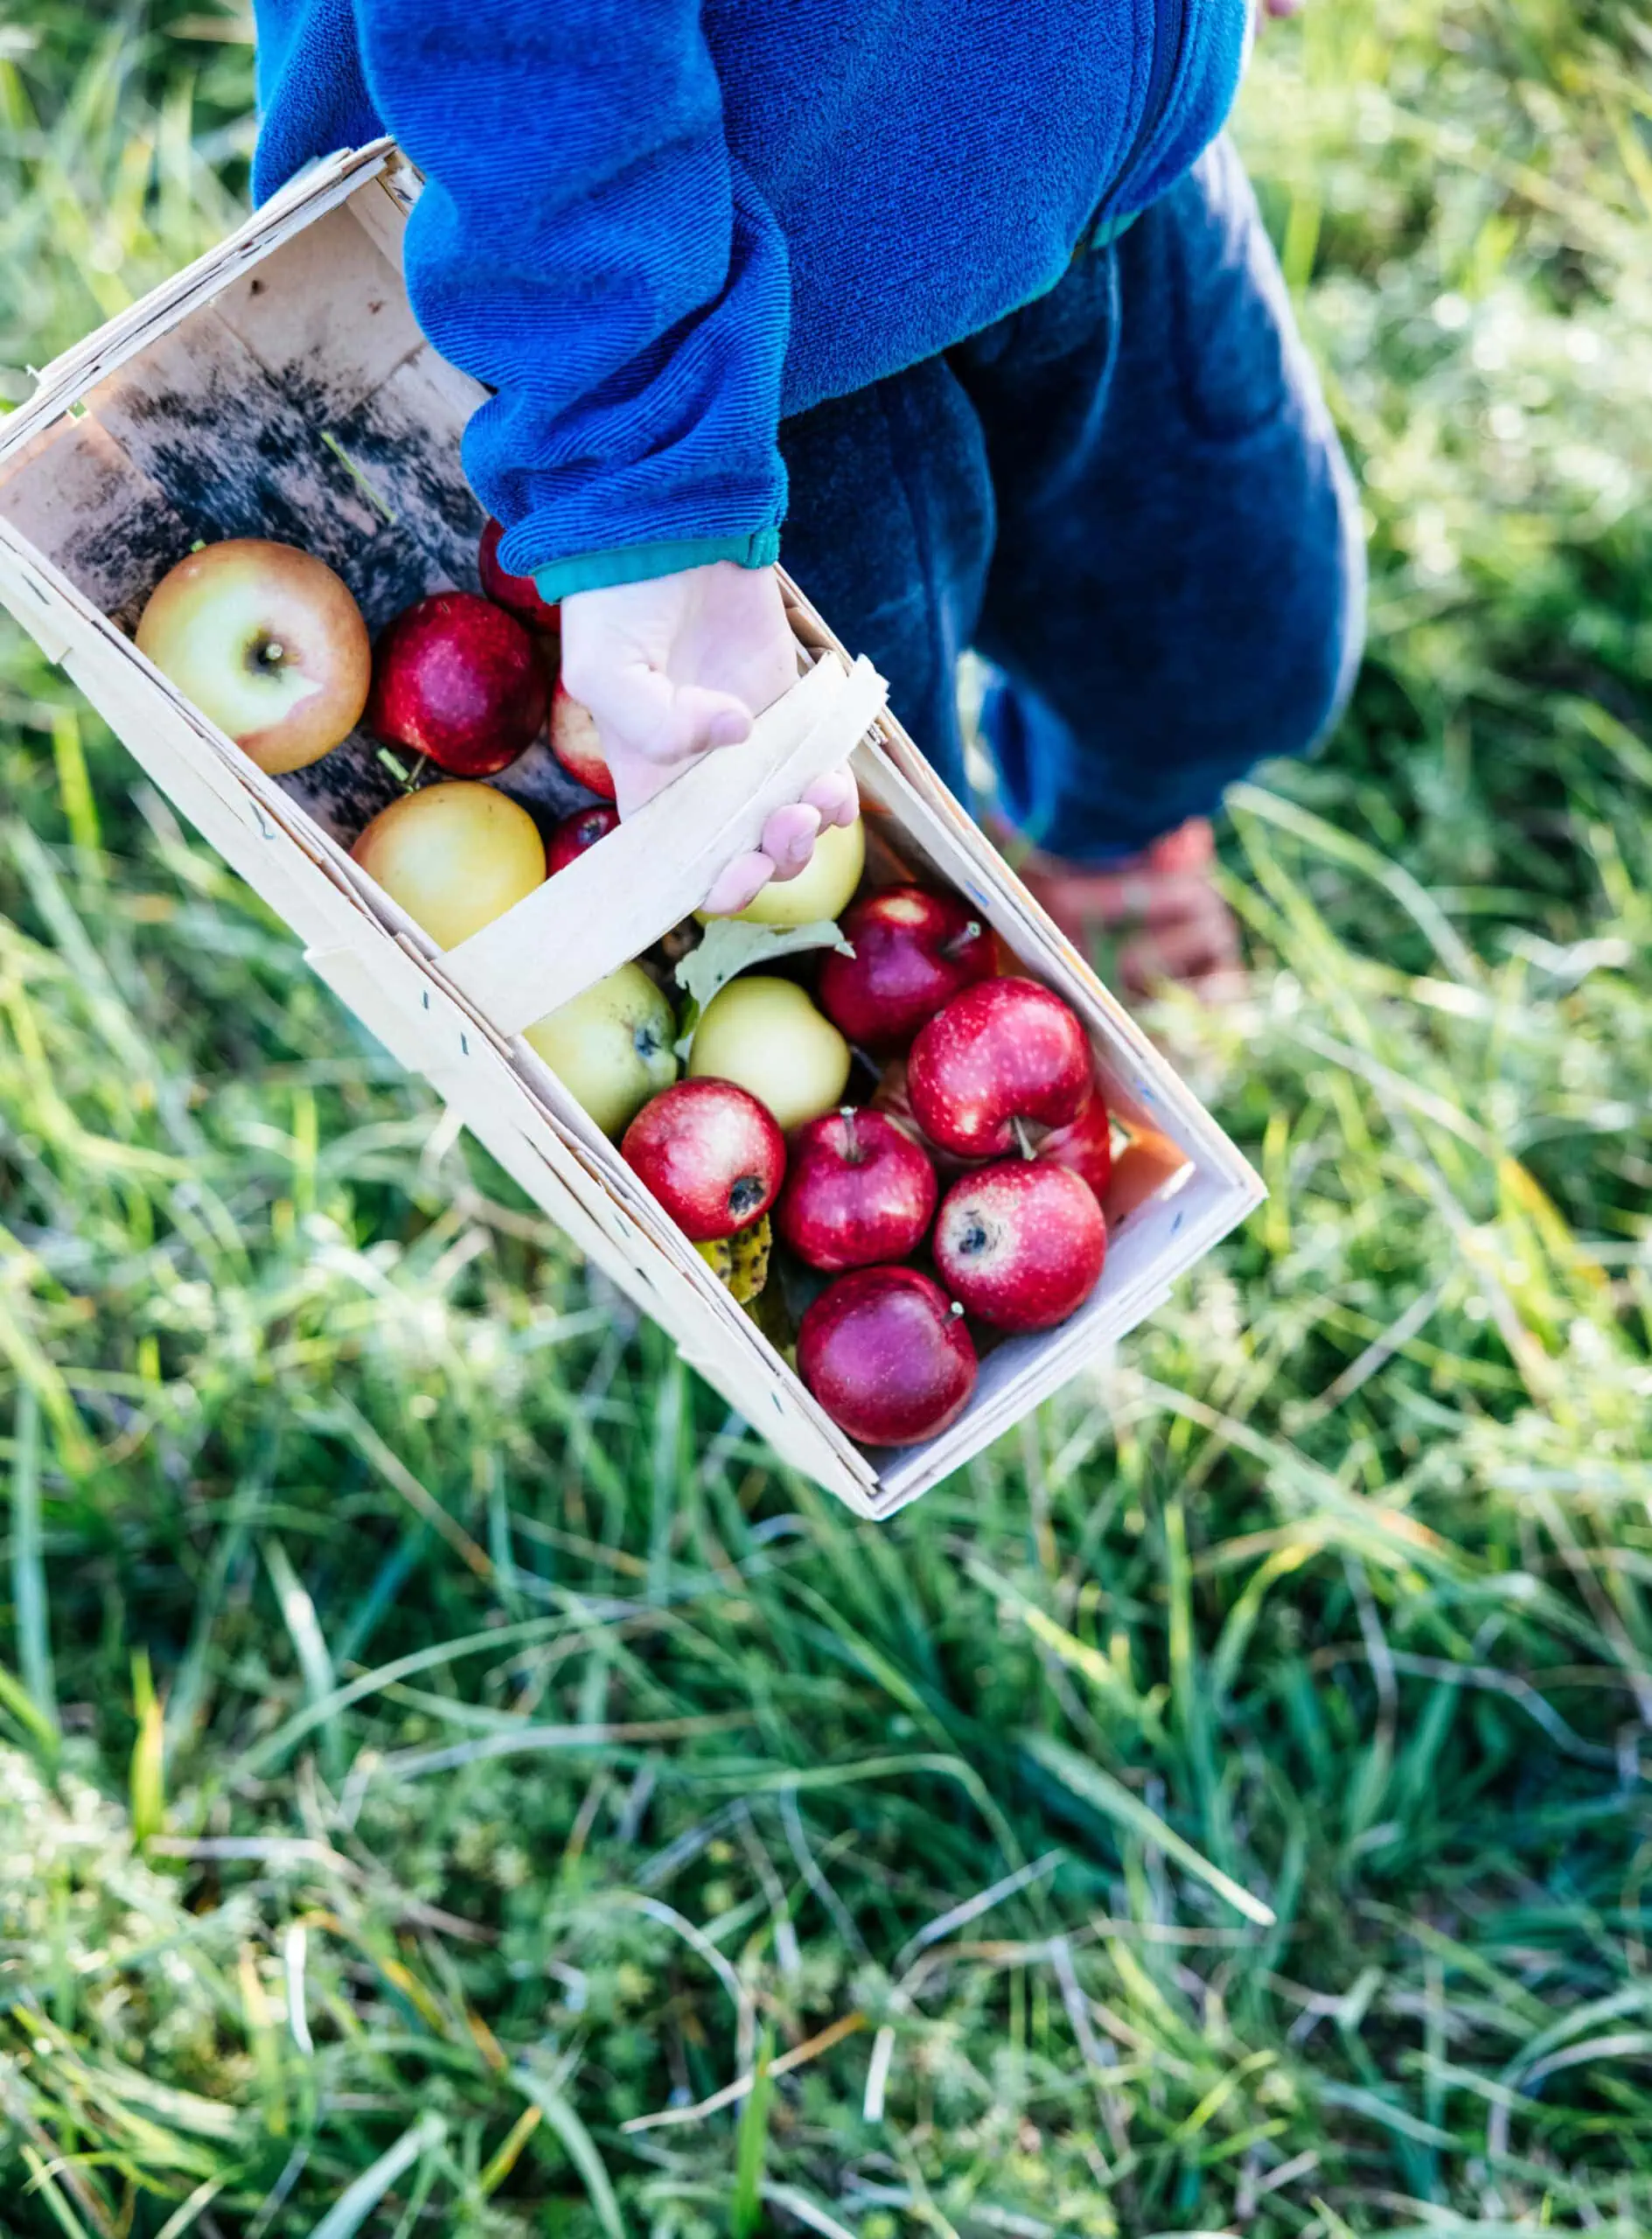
[147,1778]
[28,1564]
[1103,1793]
[751,2143]
[580,2145]
[356,2203]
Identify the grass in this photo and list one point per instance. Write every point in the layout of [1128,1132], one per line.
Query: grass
[445,1763]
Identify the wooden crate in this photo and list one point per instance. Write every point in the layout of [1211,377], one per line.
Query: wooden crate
[281,388]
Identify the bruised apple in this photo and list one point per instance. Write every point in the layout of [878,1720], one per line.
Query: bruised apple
[710,1154]
[455,856]
[577,832]
[268,643]
[1020,1243]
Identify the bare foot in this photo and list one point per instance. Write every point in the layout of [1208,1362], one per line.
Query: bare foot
[1185,932]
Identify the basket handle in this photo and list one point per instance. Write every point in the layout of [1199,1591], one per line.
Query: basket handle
[652,871]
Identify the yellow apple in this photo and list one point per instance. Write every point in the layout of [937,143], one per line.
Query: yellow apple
[455,856]
[612,1047]
[268,643]
[823,890]
[766,1036]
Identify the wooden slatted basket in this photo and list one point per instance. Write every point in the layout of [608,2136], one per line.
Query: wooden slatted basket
[281,388]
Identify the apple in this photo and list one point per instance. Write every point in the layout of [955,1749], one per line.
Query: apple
[268,643]
[455,856]
[886,1353]
[460,680]
[1145,1166]
[1004,1051]
[741,1262]
[766,1033]
[710,1154]
[913,950]
[1021,1243]
[858,1192]
[577,832]
[891,1096]
[820,891]
[611,1046]
[574,744]
[1084,1144]
[518,594]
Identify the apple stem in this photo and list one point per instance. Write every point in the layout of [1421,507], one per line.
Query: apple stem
[851,1138]
[1023,1139]
[959,941]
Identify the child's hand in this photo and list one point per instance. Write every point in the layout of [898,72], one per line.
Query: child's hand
[674,667]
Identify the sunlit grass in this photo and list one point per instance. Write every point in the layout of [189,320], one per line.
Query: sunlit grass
[435,1742]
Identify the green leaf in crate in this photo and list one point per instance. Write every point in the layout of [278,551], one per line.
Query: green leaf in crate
[731,948]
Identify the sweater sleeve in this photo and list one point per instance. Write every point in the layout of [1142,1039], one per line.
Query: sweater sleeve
[587,247]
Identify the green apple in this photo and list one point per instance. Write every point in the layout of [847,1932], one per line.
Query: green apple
[268,643]
[823,890]
[612,1047]
[767,1036]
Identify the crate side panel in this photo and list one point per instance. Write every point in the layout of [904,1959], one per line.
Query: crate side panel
[77,497]
[294,207]
[326,312]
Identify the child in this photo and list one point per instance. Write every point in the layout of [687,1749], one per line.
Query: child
[959,306]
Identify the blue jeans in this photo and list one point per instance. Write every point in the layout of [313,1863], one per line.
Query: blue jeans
[1128,497]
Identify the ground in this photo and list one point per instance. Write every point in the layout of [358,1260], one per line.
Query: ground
[435,1739]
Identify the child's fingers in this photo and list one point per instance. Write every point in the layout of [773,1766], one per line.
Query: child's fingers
[836,796]
[789,838]
[740,882]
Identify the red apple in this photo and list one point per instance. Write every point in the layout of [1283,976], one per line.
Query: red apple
[518,594]
[886,1353]
[574,743]
[268,643]
[710,1154]
[577,832]
[912,951]
[858,1192]
[460,680]
[1020,1243]
[1003,1051]
[1084,1145]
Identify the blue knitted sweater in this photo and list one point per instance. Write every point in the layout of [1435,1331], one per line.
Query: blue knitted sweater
[654,227]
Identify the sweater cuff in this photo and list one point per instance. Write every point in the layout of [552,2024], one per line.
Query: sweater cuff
[640,563]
